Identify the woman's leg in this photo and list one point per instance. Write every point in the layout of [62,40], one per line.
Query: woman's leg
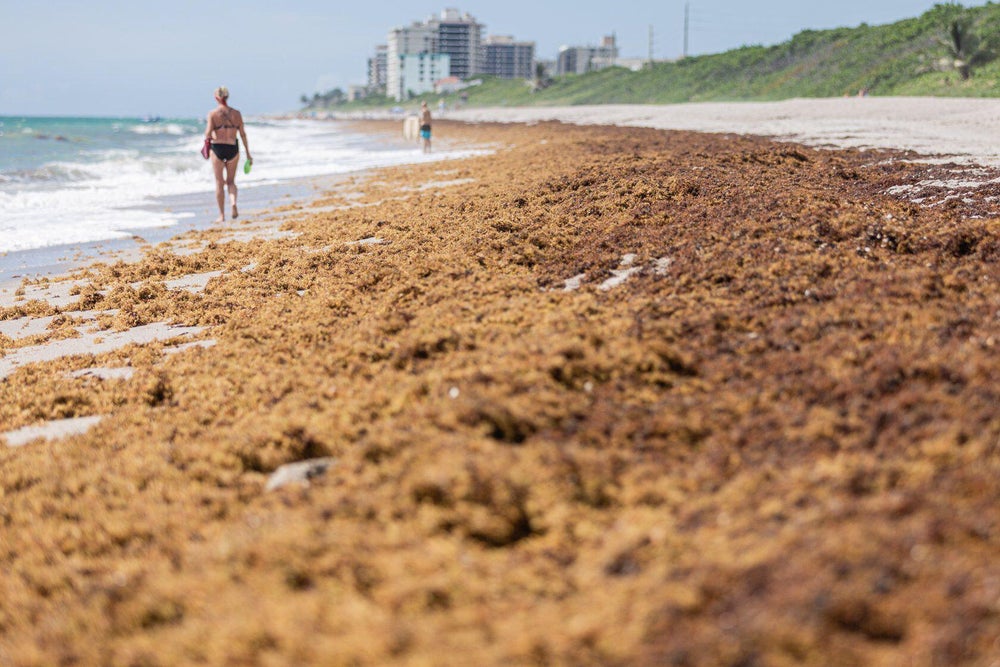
[231,182]
[220,194]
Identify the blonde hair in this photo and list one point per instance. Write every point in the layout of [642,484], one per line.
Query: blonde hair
[222,92]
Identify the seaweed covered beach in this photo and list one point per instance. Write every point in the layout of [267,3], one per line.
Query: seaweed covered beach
[606,396]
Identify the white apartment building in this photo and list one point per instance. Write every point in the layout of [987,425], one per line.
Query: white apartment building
[420,71]
[415,39]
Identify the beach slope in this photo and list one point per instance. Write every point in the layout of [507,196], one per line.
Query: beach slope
[608,396]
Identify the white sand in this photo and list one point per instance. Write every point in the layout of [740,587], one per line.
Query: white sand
[960,127]
[59,428]
[92,343]
[23,327]
[102,373]
[192,282]
[183,347]
[58,294]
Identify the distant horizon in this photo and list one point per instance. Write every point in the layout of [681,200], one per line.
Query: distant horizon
[63,59]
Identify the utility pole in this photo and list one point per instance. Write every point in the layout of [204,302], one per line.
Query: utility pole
[687,23]
[650,44]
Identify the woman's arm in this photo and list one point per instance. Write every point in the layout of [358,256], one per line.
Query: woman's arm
[208,127]
[243,135]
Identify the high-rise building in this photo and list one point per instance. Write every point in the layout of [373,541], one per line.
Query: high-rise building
[461,37]
[507,59]
[455,34]
[378,69]
[583,59]
[414,39]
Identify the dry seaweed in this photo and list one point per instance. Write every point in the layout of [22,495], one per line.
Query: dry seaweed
[773,441]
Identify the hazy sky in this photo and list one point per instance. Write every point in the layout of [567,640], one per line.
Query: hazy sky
[112,57]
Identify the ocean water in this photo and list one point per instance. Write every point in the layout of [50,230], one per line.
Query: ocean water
[71,181]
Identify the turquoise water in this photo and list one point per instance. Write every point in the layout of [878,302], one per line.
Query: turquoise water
[78,180]
[30,147]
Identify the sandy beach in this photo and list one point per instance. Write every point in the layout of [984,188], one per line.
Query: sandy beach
[954,128]
[618,393]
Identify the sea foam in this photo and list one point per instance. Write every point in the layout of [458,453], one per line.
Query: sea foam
[111,184]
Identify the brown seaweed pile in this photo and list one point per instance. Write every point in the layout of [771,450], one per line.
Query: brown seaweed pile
[760,425]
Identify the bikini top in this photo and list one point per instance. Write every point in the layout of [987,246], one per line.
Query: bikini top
[229,123]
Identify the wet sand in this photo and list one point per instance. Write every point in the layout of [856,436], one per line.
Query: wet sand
[611,396]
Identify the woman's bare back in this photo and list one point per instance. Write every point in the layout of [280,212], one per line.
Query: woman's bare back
[226,123]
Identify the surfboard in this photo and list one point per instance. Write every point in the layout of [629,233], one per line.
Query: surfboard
[411,128]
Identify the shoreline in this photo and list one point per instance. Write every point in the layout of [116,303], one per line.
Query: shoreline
[605,396]
[196,210]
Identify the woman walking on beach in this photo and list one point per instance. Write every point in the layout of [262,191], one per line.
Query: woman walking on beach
[224,122]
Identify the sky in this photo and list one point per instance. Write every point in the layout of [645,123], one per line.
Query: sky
[133,58]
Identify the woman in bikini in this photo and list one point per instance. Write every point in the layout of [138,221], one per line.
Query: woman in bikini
[224,123]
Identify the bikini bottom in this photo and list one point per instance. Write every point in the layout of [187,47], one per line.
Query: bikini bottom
[226,152]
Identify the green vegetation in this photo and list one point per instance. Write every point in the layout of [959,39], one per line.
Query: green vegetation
[965,47]
[950,51]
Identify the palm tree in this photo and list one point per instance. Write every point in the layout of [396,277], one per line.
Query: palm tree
[964,47]
[541,79]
